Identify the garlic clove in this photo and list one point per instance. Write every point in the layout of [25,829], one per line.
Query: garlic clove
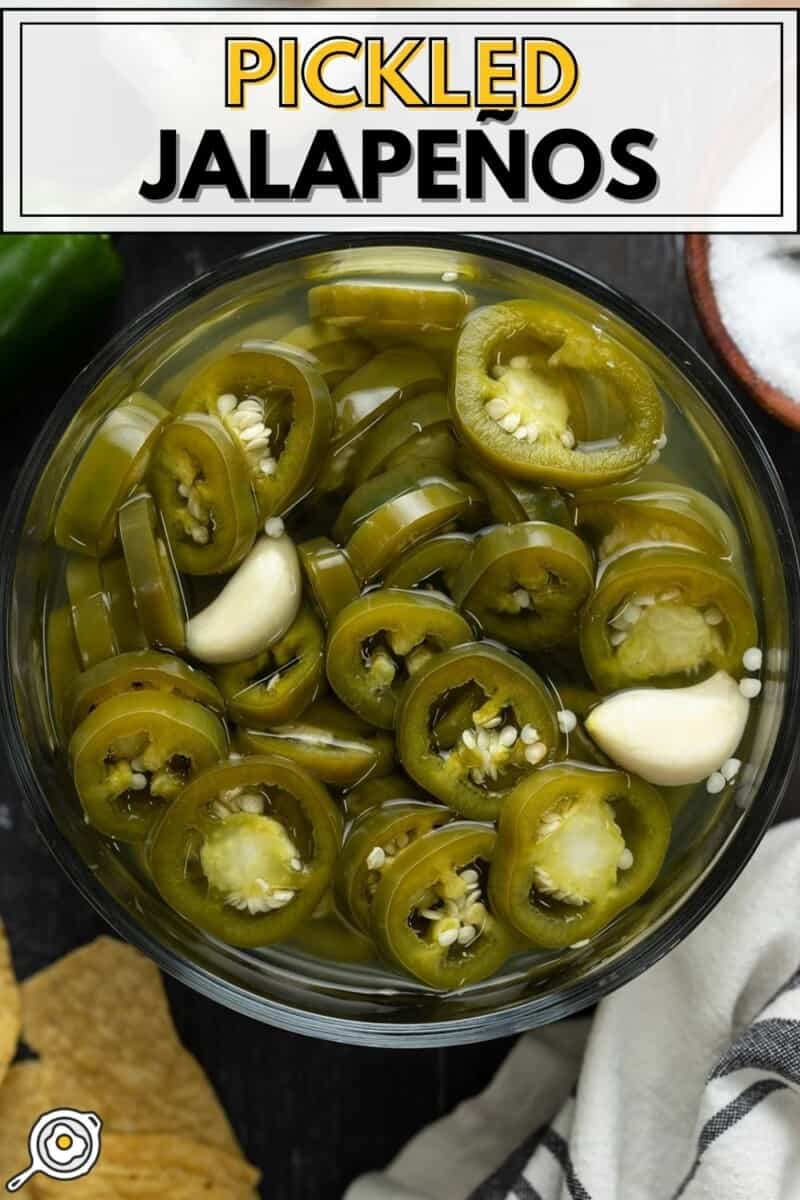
[672,736]
[255,608]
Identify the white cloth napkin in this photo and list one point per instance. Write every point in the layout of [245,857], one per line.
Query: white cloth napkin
[686,1086]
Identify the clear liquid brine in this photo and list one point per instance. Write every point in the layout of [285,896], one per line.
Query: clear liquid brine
[357,564]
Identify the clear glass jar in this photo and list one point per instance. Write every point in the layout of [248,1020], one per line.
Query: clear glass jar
[364,1003]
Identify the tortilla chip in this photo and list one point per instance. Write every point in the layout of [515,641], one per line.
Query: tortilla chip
[100,1017]
[10,1009]
[24,1096]
[152,1167]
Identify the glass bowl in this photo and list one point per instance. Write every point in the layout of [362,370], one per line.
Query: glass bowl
[361,1003]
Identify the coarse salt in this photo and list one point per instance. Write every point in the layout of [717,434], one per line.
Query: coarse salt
[756,281]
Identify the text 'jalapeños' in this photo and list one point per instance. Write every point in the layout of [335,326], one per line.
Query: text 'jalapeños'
[509,77]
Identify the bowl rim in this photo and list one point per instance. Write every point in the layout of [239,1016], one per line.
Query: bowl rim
[518,1015]
[698,273]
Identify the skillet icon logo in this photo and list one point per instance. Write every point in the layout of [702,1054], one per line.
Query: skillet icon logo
[63,1144]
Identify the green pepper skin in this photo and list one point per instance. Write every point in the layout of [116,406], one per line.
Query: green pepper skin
[329,575]
[406,432]
[546,921]
[295,800]
[296,408]
[382,383]
[155,584]
[63,667]
[196,454]
[138,671]
[368,497]
[334,352]
[400,523]
[399,309]
[53,288]
[423,565]
[392,828]
[329,741]
[428,874]
[91,611]
[173,736]
[365,397]
[526,584]
[619,517]
[567,349]
[278,684]
[512,500]
[453,769]
[377,791]
[329,936]
[379,640]
[124,617]
[110,469]
[669,644]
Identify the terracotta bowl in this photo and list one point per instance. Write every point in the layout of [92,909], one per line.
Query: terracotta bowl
[775,401]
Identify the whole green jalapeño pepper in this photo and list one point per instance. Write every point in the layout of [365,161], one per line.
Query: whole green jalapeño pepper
[576,845]
[526,583]
[431,915]
[328,740]
[135,752]
[204,495]
[381,640]
[619,517]
[521,397]
[470,723]
[277,409]
[373,844]
[278,684]
[665,615]
[53,288]
[247,851]
[112,466]
[139,671]
[329,575]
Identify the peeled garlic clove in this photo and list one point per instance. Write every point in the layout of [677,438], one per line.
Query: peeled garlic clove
[255,608]
[672,736]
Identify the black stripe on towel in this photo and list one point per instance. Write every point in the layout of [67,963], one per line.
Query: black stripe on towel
[728,1116]
[508,1176]
[791,983]
[771,1045]
[558,1147]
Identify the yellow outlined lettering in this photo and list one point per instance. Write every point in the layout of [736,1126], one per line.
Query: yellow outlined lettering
[489,72]
[315,62]
[534,95]
[440,94]
[386,71]
[247,61]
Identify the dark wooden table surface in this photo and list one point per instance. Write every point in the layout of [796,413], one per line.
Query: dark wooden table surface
[310,1114]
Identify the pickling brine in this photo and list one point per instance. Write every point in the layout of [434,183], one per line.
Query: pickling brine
[382,622]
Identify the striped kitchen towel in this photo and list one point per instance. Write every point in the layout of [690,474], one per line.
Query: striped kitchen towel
[685,1086]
